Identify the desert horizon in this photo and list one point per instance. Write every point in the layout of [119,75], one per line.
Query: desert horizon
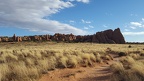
[71,40]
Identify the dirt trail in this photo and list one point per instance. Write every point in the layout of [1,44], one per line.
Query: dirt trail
[97,73]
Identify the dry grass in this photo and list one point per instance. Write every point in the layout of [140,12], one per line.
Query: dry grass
[27,61]
[128,70]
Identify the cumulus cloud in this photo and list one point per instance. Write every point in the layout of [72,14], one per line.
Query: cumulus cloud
[137,24]
[133,15]
[86,28]
[84,1]
[86,22]
[71,21]
[133,33]
[105,26]
[29,14]
[90,26]
[126,30]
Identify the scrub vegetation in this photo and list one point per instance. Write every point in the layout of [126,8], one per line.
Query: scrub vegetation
[28,61]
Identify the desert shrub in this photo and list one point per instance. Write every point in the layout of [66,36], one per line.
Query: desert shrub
[107,57]
[4,70]
[142,53]
[122,54]
[129,70]
[2,60]
[98,58]
[117,68]
[31,60]
[129,46]
[62,62]
[108,49]
[20,72]
[73,61]
[127,60]
[92,58]
[11,58]
[135,56]
[52,63]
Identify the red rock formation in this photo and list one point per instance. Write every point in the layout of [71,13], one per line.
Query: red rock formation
[118,37]
[14,38]
[19,39]
[5,39]
[107,36]
[94,39]
[26,38]
[0,39]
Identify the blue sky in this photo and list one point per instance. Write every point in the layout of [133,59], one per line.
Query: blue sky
[80,17]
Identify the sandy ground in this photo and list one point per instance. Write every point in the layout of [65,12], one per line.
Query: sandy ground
[99,72]
[95,73]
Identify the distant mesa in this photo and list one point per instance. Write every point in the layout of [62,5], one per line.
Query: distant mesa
[107,36]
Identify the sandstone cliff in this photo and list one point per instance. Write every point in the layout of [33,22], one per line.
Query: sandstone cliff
[107,36]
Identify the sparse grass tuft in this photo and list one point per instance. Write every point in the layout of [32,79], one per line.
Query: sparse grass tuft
[128,70]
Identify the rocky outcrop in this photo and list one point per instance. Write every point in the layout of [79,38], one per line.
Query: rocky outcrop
[0,39]
[14,38]
[107,36]
[118,37]
[5,39]
[63,37]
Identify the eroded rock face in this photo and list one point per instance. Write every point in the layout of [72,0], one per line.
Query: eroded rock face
[94,39]
[63,37]
[5,39]
[0,39]
[14,38]
[19,39]
[107,36]
[118,37]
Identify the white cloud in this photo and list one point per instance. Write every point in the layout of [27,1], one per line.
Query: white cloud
[142,19]
[105,26]
[86,28]
[126,30]
[71,21]
[133,27]
[84,1]
[133,15]
[137,24]
[29,14]
[133,33]
[90,26]
[86,22]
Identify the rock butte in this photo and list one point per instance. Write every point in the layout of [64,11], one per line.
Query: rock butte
[107,36]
